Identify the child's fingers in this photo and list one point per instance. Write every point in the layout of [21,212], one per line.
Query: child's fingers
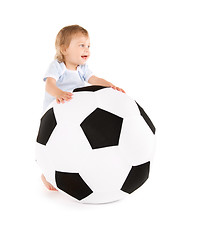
[67,98]
[122,90]
[62,100]
[68,94]
[117,88]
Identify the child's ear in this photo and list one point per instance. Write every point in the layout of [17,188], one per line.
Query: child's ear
[63,50]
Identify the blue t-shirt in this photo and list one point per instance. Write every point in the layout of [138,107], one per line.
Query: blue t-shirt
[67,80]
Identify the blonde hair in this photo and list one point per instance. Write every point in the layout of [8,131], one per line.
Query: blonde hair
[64,38]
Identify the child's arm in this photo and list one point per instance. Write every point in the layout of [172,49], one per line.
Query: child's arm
[100,81]
[53,90]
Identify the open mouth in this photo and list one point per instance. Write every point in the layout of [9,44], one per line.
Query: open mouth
[84,57]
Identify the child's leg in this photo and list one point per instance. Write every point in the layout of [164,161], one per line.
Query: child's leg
[47,184]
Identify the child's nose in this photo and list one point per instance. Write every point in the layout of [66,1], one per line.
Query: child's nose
[86,49]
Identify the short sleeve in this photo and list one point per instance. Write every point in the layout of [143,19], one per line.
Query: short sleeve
[53,71]
[86,72]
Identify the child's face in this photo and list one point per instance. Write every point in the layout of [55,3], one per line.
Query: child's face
[78,51]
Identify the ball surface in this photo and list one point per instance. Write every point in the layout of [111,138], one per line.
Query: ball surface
[97,147]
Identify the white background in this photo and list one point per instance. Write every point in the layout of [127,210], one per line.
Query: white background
[149,48]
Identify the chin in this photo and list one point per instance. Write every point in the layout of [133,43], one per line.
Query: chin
[83,62]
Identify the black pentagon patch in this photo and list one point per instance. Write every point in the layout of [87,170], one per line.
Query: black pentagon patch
[146,118]
[102,128]
[92,88]
[47,125]
[72,184]
[136,177]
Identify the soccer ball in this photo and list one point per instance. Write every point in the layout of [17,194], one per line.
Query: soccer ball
[97,147]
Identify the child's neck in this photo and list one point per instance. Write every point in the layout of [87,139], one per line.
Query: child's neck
[71,66]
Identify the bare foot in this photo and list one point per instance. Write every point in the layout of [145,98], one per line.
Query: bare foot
[47,184]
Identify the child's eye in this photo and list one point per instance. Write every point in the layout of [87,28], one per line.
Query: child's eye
[83,45]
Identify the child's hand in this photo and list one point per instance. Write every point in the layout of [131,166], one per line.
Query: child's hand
[63,96]
[118,89]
